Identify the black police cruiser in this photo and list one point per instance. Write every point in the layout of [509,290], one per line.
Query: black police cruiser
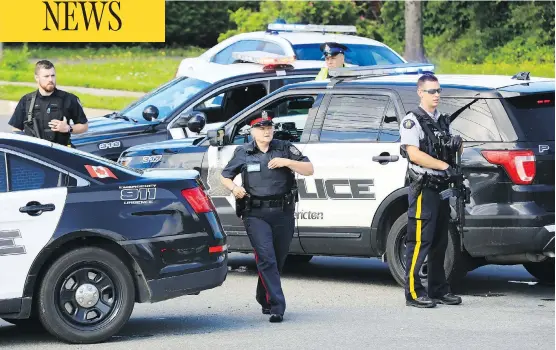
[355,203]
[212,93]
[83,238]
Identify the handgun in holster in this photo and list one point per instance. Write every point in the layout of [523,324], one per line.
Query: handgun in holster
[243,205]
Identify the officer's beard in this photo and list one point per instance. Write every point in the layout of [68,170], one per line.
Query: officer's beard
[49,87]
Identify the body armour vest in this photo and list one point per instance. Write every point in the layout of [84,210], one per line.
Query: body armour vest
[43,110]
[259,180]
[434,131]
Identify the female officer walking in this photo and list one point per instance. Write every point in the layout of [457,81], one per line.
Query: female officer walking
[267,200]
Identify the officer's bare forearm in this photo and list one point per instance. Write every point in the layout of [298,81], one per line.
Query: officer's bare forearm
[80,128]
[421,158]
[303,168]
[228,183]
[15,129]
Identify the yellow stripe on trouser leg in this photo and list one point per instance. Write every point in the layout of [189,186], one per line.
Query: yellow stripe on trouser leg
[417,246]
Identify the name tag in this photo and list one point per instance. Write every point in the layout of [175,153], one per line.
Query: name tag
[253,167]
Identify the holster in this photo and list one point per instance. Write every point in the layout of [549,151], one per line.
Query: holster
[243,205]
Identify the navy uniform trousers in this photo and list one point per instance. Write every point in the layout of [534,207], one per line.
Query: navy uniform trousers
[270,230]
[427,234]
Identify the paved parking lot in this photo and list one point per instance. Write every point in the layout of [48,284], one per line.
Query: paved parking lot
[335,303]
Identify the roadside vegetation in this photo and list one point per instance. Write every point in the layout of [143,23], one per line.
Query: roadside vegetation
[463,37]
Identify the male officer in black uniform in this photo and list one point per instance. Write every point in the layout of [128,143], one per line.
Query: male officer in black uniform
[267,204]
[46,112]
[428,214]
[334,56]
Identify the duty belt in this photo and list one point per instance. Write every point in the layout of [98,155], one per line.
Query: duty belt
[260,203]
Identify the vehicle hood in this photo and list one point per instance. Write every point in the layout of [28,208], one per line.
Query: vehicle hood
[105,128]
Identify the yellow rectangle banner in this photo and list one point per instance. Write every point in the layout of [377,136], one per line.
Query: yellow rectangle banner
[82,21]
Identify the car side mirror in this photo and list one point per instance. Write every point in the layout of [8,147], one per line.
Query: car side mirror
[197,122]
[150,113]
[216,137]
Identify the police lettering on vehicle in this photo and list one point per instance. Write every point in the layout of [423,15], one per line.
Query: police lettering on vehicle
[309,215]
[337,189]
[7,243]
[139,194]
[112,144]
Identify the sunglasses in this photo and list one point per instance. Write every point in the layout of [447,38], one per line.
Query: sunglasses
[433,91]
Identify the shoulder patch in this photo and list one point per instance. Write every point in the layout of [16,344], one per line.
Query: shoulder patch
[294,150]
[408,123]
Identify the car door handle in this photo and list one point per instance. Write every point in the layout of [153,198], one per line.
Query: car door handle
[36,208]
[393,158]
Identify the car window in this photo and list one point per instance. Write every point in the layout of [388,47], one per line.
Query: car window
[3,182]
[273,48]
[354,118]
[358,54]
[25,174]
[475,123]
[534,115]
[389,129]
[167,100]
[225,56]
[290,116]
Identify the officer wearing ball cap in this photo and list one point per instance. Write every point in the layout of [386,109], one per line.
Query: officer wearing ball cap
[266,204]
[334,56]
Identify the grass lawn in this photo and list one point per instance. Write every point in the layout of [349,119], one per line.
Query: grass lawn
[14,93]
[132,70]
[545,70]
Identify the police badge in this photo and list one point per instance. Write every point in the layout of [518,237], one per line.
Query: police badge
[264,115]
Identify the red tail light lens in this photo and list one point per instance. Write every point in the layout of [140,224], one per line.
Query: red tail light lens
[198,200]
[218,249]
[519,165]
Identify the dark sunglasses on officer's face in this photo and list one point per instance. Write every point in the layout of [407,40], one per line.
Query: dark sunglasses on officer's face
[433,91]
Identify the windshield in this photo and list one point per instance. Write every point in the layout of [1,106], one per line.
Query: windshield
[360,55]
[535,115]
[168,98]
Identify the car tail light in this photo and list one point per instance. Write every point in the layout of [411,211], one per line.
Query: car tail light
[218,249]
[198,200]
[519,165]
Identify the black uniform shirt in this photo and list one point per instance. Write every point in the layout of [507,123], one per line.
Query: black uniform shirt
[72,109]
[263,182]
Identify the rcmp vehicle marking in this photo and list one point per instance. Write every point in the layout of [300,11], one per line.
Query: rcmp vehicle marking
[107,145]
[138,194]
[151,159]
[7,243]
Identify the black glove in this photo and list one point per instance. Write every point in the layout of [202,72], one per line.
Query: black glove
[455,142]
[450,173]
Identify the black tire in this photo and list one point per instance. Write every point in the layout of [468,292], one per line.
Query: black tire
[64,280]
[455,263]
[298,259]
[543,271]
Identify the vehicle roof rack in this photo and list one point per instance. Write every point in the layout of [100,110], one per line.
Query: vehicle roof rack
[280,27]
[269,61]
[381,70]
[522,76]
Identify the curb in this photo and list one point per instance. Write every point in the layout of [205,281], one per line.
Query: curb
[83,90]
[8,107]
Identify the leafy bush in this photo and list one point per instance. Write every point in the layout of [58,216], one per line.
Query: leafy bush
[16,59]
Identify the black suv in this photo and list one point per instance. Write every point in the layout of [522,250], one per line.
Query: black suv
[355,203]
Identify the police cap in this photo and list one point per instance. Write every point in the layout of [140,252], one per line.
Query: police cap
[264,120]
[332,48]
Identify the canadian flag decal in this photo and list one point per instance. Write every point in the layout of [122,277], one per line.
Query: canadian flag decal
[99,171]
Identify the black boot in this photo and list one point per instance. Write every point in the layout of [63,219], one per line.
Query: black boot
[448,299]
[421,302]
[276,318]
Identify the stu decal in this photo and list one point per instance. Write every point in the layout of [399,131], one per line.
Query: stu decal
[8,245]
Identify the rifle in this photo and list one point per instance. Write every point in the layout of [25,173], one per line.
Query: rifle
[459,190]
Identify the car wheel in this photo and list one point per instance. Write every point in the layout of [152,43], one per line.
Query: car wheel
[455,263]
[543,271]
[298,259]
[86,296]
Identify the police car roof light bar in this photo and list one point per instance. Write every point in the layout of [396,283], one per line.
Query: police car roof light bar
[312,28]
[270,62]
[381,70]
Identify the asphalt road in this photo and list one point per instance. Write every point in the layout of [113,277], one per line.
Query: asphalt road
[4,127]
[335,303]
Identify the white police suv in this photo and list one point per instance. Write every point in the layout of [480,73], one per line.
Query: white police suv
[83,238]
[355,203]
[297,41]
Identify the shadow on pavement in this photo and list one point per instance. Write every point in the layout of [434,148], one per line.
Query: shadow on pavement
[486,281]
